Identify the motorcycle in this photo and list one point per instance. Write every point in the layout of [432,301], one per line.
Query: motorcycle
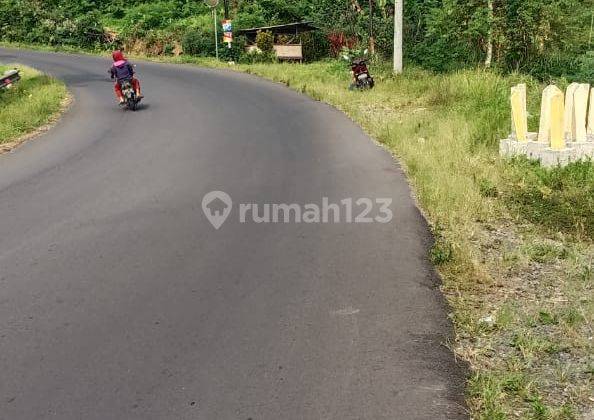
[130,97]
[362,79]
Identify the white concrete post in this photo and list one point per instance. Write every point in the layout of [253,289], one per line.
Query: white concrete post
[398,30]
[580,112]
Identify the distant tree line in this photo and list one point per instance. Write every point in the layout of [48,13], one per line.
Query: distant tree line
[545,38]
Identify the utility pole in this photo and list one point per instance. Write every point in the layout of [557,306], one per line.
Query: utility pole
[226,4]
[213,5]
[371,34]
[489,59]
[216,28]
[398,29]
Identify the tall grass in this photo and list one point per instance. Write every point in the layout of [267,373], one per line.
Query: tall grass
[29,104]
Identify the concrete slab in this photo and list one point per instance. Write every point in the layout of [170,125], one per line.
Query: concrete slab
[511,148]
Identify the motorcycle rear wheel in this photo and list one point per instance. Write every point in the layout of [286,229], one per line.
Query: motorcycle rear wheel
[132,104]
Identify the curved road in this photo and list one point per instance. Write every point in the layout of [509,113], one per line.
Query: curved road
[119,300]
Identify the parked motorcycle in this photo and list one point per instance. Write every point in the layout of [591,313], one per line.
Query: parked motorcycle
[362,79]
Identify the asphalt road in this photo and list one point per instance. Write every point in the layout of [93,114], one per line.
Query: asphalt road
[119,300]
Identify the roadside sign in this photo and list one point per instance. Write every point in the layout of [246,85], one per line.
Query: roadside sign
[228,32]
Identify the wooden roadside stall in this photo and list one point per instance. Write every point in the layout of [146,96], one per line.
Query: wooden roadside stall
[287,39]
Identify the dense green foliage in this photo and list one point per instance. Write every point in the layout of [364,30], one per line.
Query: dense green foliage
[50,23]
[195,42]
[546,39]
[265,41]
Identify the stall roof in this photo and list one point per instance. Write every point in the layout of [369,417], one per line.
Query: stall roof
[289,28]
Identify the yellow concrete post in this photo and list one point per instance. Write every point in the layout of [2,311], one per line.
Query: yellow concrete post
[569,115]
[557,121]
[544,130]
[519,115]
[580,112]
[591,114]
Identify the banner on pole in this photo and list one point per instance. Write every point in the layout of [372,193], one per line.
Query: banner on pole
[228,31]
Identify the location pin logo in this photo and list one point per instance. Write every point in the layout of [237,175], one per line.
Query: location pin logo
[216,206]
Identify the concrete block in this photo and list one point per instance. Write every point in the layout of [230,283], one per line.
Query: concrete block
[511,147]
[550,158]
[534,149]
[584,149]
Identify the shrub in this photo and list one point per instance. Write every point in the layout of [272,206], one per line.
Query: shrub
[249,15]
[142,18]
[384,39]
[265,41]
[236,51]
[168,49]
[339,40]
[315,46]
[88,30]
[196,42]
[258,57]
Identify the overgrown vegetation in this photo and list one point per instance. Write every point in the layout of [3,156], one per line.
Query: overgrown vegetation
[545,39]
[29,104]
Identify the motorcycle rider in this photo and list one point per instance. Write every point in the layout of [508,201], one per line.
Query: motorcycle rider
[122,70]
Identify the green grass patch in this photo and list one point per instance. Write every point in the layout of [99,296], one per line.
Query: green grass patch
[560,200]
[29,104]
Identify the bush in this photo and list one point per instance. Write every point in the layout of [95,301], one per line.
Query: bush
[143,18]
[168,49]
[265,41]
[197,42]
[249,16]
[29,22]
[88,30]
[338,40]
[585,73]
[236,51]
[258,57]
[315,46]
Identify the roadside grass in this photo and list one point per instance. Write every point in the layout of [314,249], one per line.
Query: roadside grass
[513,241]
[31,103]
[561,200]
